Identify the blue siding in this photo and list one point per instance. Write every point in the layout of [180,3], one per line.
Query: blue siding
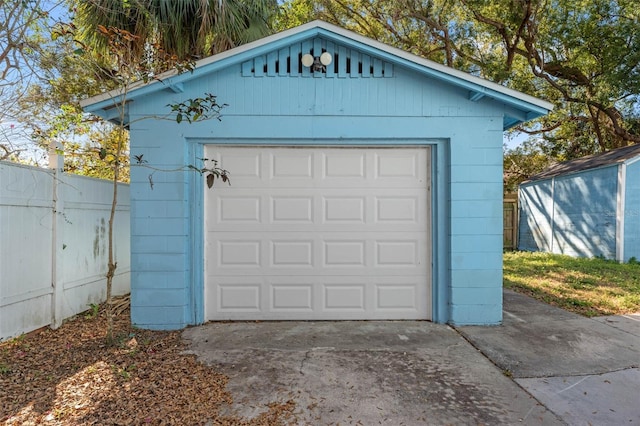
[585,213]
[404,109]
[160,257]
[573,214]
[632,212]
[407,94]
[536,207]
[477,314]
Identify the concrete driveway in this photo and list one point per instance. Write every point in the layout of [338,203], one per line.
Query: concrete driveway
[585,370]
[543,366]
[364,373]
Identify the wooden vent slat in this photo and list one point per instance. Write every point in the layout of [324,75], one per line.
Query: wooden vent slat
[288,62]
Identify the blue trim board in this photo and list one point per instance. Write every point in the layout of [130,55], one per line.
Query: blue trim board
[441,229]
[196,255]
[440,224]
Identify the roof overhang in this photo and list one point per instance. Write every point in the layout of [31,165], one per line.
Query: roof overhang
[526,107]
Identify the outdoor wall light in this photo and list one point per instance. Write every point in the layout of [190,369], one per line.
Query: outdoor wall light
[317,63]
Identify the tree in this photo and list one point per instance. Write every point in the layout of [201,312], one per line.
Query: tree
[21,25]
[583,55]
[522,162]
[172,32]
[50,110]
[294,13]
[558,54]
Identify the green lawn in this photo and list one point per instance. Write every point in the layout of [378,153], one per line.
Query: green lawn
[588,287]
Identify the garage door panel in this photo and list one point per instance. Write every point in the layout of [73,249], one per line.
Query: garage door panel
[239,253]
[237,296]
[396,297]
[394,165]
[330,253]
[381,297]
[239,209]
[292,297]
[245,164]
[286,209]
[344,164]
[344,253]
[330,167]
[341,297]
[341,209]
[292,253]
[395,209]
[397,253]
[327,208]
[319,233]
[292,165]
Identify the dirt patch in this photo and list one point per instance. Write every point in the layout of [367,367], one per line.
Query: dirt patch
[71,376]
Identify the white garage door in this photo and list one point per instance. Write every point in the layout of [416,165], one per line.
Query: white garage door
[319,233]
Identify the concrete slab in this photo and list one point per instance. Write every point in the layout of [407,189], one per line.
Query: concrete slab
[519,308]
[627,323]
[604,399]
[584,370]
[538,340]
[383,372]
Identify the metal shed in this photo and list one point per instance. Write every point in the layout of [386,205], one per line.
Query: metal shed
[364,187]
[587,207]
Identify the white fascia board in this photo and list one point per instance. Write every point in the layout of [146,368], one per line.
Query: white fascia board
[533,106]
[632,160]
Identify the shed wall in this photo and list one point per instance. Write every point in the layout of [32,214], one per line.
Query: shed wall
[573,215]
[406,109]
[536,208]
[632,212]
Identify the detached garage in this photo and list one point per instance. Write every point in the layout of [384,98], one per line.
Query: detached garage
[366,184]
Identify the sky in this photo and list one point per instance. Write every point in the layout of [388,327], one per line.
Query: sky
[512,141]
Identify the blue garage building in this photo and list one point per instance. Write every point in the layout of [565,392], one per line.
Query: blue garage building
[366,184]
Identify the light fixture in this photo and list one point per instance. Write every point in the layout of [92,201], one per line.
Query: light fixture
[307,60]
[317,63]
[326,58]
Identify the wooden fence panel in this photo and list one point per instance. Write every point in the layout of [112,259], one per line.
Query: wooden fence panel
[510,224]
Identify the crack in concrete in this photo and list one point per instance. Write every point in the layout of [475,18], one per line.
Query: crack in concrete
[306,357]
[596,374]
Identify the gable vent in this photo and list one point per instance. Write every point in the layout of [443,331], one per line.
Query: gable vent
[288,62]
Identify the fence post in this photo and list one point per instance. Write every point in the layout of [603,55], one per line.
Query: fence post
[56,163]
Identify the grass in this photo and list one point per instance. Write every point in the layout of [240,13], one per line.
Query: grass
[589,287]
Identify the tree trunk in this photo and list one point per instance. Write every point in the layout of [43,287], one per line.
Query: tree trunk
[112,265]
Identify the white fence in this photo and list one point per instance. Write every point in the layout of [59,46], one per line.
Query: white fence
[53,245]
